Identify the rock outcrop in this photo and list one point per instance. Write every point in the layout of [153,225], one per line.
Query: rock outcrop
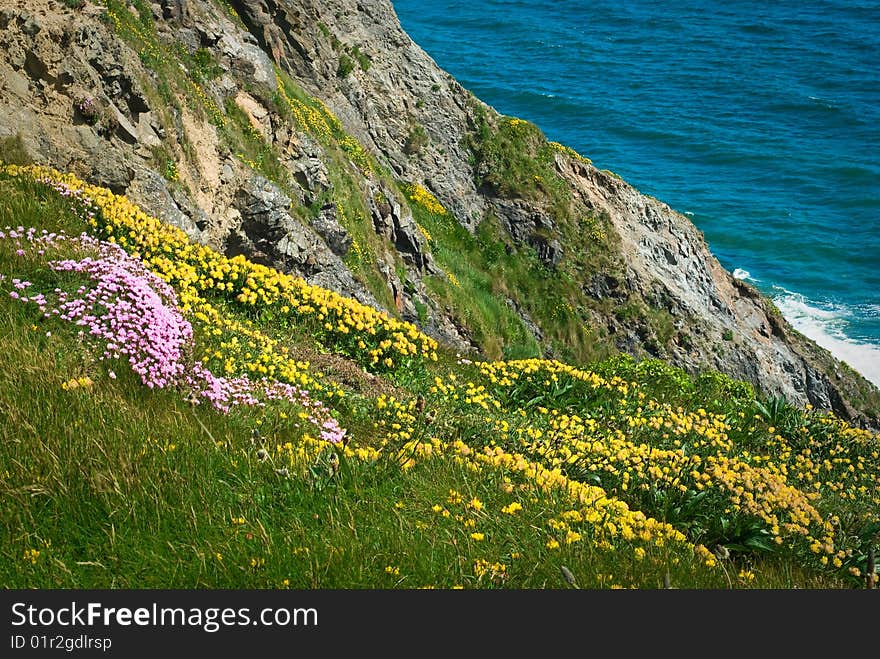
[211,143]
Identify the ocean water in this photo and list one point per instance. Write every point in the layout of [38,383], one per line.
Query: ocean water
[758,120]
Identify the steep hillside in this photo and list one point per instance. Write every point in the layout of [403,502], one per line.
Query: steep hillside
[173,418]
[318,139]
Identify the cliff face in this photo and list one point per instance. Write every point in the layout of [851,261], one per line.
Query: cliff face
[291,131]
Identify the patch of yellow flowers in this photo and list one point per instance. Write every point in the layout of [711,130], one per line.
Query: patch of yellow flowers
[196,272]
[638,444]
[425,199]
[317,119]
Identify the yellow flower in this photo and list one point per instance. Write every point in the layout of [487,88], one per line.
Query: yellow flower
[479,537]
[31,555]
[454,497]
[425,199]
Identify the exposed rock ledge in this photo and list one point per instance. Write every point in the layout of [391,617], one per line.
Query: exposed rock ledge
[50,54]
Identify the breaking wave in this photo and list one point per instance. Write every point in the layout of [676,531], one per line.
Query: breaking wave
[827,326]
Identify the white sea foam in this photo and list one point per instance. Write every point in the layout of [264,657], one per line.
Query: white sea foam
[827,328]
[739,273]
[824,103]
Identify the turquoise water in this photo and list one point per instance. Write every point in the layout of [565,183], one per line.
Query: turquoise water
[759,120]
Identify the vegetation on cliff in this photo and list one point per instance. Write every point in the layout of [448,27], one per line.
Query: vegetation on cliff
[409,195]
[188,407]
[176,418]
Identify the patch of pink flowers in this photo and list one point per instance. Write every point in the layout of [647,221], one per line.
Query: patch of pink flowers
[128,312]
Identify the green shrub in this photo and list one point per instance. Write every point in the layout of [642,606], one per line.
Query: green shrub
[13,152]
[416,141]
[513,158]
[346,66]
[205,66]
[363,60]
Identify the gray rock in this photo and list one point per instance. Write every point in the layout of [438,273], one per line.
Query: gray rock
[190,38]
[269,234]
[13,83]
[549,250]
[150,191]
[124,128]
[175,10]
[264,207]
[108,166]
[250,63]
[311,174]
[395,222]
[146,131]
[334,234]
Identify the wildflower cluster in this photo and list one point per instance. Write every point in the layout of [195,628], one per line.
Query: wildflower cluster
[575,426]
[172,173]
[607,520]
[126,312]
[87,107]
[425,199]
[316,118]
[196,272]
[568,151]
[137,31]
[425,233]
[140,32]
[494,572]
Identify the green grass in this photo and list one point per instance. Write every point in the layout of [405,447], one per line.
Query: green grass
[120,487]
[346,66]
[109,484]
[253,148]
[513,159]
[487,270]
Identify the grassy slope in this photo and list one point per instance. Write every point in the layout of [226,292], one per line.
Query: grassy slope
[109,483]
[624,474]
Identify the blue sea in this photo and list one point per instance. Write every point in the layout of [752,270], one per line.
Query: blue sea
[758,120]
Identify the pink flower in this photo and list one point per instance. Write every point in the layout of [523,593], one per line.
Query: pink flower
[128,312]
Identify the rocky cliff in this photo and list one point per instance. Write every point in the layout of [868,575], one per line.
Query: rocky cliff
[318,138]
